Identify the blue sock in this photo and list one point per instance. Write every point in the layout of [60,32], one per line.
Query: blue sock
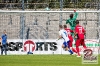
[71,52]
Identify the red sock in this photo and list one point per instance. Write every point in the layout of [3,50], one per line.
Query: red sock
[78,51]
[84,46]
[74,50]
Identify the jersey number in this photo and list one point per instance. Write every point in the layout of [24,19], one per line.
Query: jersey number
[65,34]
[80,30]
[72,22]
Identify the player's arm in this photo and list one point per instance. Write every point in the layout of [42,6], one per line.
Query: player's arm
[59,36]
[72,31]
[75,32]
[84,31]
[75,15]
[67,21]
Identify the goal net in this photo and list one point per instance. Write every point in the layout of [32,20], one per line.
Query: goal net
[44,24]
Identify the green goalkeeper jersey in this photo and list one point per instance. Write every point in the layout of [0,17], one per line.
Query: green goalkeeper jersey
[72,21]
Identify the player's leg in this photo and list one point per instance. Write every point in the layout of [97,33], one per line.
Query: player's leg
[73,28]
[70,44]
[62,45]
[5,49]
[73,38]
[77,46]
[65,45]
[74,50]
[83,43]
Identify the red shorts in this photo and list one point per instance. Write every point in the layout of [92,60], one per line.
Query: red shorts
[80,42]
[71,41]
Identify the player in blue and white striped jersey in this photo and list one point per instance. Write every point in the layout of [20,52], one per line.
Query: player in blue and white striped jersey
[63,34]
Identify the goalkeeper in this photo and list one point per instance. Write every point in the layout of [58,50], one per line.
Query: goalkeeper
[71,20]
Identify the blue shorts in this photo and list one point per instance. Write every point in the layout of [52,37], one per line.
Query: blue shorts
[66,44]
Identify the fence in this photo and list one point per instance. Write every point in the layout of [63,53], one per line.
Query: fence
[42,4]
[44,24]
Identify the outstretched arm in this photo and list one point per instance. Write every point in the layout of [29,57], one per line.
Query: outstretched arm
[75,15]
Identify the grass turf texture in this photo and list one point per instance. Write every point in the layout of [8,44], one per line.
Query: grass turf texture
[43,60]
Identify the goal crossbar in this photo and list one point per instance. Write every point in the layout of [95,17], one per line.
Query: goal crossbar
[16,11]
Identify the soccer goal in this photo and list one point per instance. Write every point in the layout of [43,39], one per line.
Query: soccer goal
[44,24]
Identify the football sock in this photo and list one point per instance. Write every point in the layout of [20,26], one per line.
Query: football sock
[74,50]
[70,51]
[77,48]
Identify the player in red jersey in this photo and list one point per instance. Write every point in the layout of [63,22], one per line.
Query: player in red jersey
[80,33]
[69,31]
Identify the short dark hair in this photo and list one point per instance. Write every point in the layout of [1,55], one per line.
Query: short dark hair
[65,26]
[71,16]
[60,26]
[77,22]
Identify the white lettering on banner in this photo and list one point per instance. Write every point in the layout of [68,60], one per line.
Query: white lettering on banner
[29,45]
[50,46]
[92,44]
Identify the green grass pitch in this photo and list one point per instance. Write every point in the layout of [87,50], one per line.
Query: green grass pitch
[43,60]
